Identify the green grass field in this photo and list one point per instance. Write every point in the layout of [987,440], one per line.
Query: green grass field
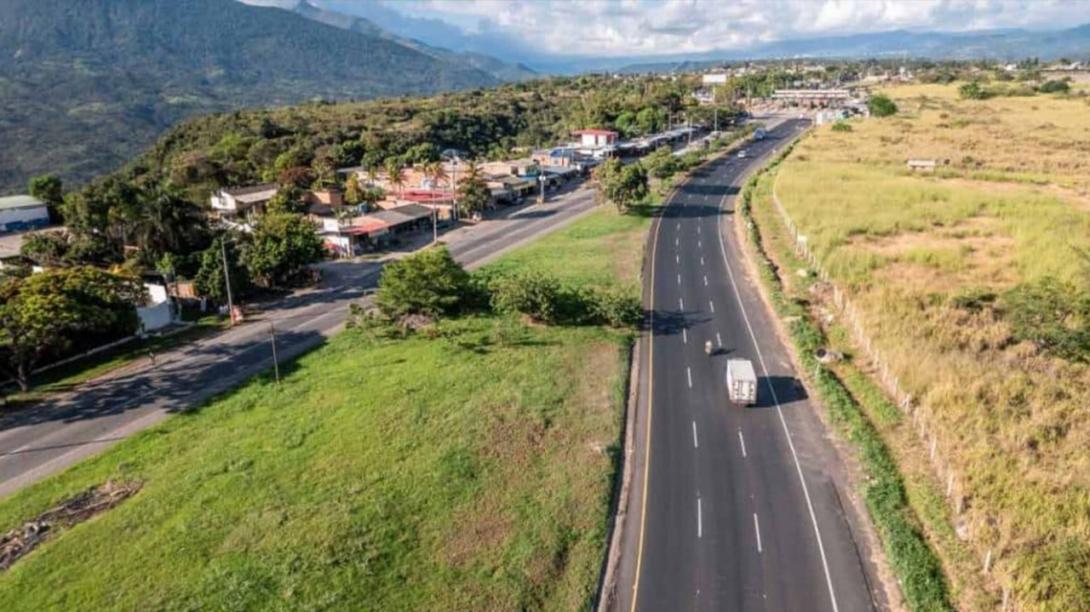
[466,469]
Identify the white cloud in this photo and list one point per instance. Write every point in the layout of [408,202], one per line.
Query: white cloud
[656,27]
[636,27]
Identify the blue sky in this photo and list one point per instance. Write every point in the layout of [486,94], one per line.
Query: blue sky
[604,28]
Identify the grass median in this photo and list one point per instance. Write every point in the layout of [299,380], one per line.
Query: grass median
[467,468]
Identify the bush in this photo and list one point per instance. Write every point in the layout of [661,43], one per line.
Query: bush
[428,283]
[881,106]
[1054,87]
[842,126]
[972,91]
[616,308]
[1052,314]
[534,295]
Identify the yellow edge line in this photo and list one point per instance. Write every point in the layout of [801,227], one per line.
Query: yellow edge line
[650,408]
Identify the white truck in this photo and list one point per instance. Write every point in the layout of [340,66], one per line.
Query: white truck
[741,382]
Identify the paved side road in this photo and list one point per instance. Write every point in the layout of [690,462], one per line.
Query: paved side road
[42,441]
[731,508]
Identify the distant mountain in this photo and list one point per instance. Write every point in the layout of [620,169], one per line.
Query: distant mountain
[503,71]
[85,85]
[990,44]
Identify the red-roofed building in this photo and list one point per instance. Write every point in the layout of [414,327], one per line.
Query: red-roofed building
[597,138]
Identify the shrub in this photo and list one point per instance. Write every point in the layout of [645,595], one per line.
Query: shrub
[1054,86]
[972,91]
[881,106]
[428,283]
[842,126]
[616,307]
[537,296]
[1052,314]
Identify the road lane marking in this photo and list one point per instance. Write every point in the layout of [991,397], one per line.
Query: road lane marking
[701,260]
[689,375]
[677,240]
[680,304]
[677,258]
[711,305]
[718,340]
[779,412]
[757,529]
[650,420]
[699,519]
[698,229]
[705,280]
[696,442]
[699,244]
[742,441]
[684,336]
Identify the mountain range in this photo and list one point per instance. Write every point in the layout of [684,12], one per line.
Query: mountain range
[86,85]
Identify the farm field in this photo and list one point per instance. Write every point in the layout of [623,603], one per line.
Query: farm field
[958,276]
[467,468]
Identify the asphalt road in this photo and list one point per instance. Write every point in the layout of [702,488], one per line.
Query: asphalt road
[731,508]
[38,442]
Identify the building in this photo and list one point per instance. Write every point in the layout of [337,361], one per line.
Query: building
[594,139]
[21,213]
[243,201]
[714,79]
[159,311]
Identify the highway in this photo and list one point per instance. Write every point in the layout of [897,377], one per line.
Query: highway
[730,508]
[68,428]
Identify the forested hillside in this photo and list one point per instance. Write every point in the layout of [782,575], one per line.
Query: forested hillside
[86,85]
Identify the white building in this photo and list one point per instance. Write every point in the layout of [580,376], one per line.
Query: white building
[22,212]
[236,201]
[715,79]
[159,311]
[596,138]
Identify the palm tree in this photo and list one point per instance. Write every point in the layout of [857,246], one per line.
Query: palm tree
[395,173]
[438,172]
[372,174]
[167,222]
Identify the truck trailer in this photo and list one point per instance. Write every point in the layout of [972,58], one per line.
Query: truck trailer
[741,382]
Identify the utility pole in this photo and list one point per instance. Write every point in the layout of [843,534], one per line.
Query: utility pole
[227,282]
[276,361]
[434,223]
[454,187]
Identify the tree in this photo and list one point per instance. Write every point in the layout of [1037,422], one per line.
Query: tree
[45,248]
[473,194]
[436,171]
[661,163]
[621,184]
[48,189]
[353,194]
[42,314]
[881,106]
[283,245]
[395,173]
[428,283]
[209,278]
[166,222]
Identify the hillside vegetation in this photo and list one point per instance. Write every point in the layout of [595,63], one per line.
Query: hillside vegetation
[85,86]
[469,466]
[973,283]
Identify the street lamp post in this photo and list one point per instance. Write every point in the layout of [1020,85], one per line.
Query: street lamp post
[227,281]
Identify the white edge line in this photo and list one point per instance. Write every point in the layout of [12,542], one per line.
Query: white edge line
[779,411]
[742,441]
[757,529]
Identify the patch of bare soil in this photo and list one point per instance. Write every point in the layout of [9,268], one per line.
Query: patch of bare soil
[18,542]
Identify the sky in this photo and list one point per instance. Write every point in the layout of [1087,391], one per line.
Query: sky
[614,28]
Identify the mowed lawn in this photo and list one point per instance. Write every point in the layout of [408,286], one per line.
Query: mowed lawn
[467,469]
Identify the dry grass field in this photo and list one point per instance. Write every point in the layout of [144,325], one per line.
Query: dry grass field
[928,259]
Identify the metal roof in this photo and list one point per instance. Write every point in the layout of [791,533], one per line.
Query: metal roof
[20,201]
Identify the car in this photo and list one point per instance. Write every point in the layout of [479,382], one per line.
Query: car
[742,154]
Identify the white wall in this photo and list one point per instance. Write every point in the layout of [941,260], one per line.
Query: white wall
[14,219]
